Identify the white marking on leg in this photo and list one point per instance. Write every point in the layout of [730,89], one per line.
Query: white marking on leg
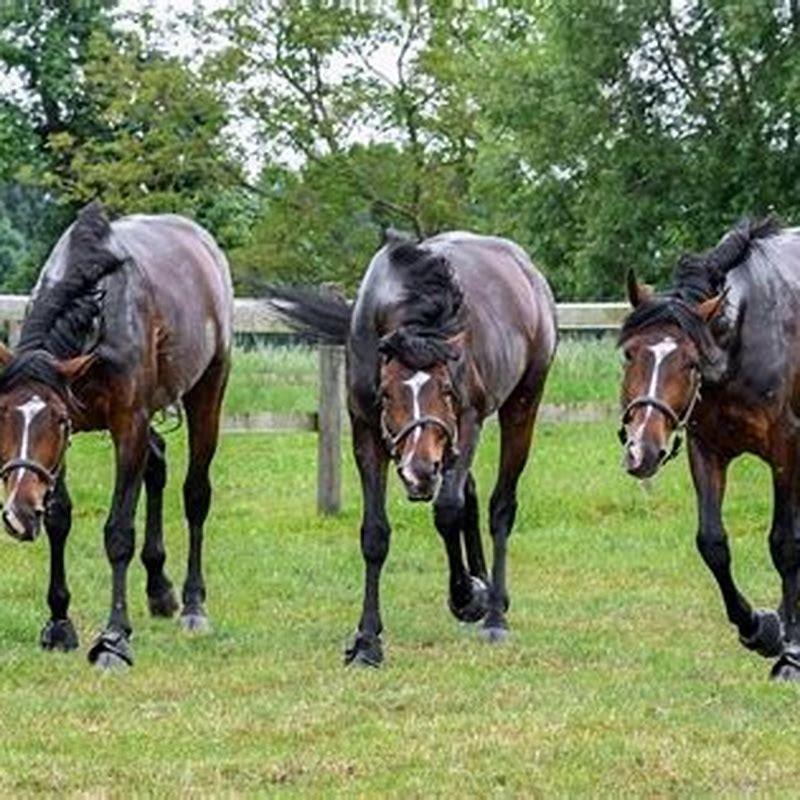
[415,383]
[29,410]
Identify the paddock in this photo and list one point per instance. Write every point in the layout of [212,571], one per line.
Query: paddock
[621,673]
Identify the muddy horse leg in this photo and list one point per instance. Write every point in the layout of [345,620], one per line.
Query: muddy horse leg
[758,630]
[59,632]
[454,513]
[203,404]
[160,596]
[517,417]
[371,460]
[130,434]
[785,551]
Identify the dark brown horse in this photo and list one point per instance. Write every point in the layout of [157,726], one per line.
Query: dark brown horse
[442,334]
[719,354]
[127,319]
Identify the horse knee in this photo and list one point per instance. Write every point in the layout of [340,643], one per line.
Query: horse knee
[375,542]
[119,543]
[196,499]
[713,547]
[447,513]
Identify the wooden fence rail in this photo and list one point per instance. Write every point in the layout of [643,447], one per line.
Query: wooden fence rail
[256,316]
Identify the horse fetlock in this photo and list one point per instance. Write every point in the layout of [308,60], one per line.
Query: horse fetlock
[366,651]
[767,638]
[111,650]
[472,605]
[59,635]
[161,600]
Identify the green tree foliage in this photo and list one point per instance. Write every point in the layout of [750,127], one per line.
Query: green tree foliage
[598,135]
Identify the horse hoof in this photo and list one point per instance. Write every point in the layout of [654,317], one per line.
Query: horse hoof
[109,662]
[195,621]
[767,640]
[787,668]
[365,652]
[493,634]
[478,604]
[59,634]
[111,650]
[163,605]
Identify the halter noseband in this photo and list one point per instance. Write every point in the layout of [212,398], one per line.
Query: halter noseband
[678,423]
[393,442]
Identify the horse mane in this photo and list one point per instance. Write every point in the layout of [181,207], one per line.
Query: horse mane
[698,277]
[433,309]
[63,314]
[37,366]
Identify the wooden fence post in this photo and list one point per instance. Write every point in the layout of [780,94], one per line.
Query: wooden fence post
[329,439]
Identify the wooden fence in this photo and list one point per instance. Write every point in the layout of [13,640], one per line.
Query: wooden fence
[256,316]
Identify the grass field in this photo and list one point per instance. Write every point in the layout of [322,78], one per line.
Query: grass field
[620,678]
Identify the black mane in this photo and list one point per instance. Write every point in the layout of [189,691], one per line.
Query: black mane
[63,314]
[35,366]
[698,277]
[433,309]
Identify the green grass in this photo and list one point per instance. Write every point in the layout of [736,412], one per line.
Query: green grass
[285,378]
[621,676]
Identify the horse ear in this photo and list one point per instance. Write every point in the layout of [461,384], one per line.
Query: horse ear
[6,355]
[638,293]
[709,309]
[74,368]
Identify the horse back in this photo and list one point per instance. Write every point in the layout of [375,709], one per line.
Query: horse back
[511,320]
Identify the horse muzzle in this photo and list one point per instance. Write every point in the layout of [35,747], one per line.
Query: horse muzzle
[421,480]
[22,525]
[642,459]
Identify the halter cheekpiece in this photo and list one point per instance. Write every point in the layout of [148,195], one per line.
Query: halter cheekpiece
[394,442]
[48,476]
[679,422]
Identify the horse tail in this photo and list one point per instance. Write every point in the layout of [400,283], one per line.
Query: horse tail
[323,314]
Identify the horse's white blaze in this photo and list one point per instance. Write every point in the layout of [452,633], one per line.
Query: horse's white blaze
[29,410]
[660,350]
[415,383]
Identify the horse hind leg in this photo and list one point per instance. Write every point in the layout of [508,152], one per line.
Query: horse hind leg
[202,405]
[160,594]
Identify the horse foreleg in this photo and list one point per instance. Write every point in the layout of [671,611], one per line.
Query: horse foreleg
[59,632]
[759,631]
[130,434]
[160,596]
[785,551]
[455,510]
[472,533]
[371,460]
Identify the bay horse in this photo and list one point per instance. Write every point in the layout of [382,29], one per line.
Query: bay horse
[127,318]
[442,334]
[719,355]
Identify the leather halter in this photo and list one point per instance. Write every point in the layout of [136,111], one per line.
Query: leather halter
[678,422]
[47,476]
[393,442]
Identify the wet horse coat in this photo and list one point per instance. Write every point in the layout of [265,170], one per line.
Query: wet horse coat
[145,306]
[442,334]
[748,402]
